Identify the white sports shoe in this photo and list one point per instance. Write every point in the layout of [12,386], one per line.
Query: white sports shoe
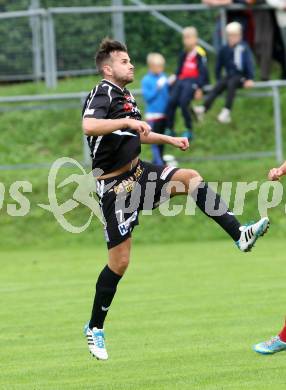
[224,116]
[96,342]
[250,233]
[200,112]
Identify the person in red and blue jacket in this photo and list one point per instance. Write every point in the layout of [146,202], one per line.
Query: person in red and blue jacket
[190,78]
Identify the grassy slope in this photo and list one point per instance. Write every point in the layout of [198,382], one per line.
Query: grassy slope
[174,324]
[43,136]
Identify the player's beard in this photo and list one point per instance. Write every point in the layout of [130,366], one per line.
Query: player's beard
[124,80]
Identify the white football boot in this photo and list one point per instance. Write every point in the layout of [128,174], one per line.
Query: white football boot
[96,342]
[250,233]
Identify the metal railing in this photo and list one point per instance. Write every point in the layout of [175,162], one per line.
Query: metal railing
[44,37]
[261,89]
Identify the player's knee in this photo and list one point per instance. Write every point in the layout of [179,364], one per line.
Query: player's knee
[193,180]
[122,263]
[198,176]
[193,175]
[119,258]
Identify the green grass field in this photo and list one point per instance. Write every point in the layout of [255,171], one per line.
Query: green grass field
[190,306]
[185,317]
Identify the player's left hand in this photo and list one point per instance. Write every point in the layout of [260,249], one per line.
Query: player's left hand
[180,143]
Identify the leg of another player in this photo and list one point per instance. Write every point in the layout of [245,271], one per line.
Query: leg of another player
[282,334]
[274,345]
[106,287]
[211,204]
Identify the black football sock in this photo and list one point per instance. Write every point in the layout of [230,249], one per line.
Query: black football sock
[105,290]
[214,207]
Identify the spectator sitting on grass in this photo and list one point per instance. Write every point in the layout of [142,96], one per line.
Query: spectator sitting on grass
[236,58]
[190,78]
[155,91]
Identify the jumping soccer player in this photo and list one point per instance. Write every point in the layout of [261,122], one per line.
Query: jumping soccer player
[276,343]
[127,185]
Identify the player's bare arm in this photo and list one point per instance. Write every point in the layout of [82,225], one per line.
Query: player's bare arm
[275,173]
[97,127]
[155,138]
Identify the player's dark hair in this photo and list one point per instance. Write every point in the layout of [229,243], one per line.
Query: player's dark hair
[107,47]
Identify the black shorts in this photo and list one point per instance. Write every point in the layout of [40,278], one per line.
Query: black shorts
[122,197]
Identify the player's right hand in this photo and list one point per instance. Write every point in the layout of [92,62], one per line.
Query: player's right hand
[180,142]
[140,126]
[275,174]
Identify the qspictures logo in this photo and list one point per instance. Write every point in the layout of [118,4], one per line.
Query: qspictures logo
[269,195]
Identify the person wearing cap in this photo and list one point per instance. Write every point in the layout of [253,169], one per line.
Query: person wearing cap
[235,58]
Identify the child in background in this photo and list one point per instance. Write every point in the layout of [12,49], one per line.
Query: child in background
[190,78]
[155,90]
[236,59]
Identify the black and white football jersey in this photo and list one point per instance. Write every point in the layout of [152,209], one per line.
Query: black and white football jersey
[112,151]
